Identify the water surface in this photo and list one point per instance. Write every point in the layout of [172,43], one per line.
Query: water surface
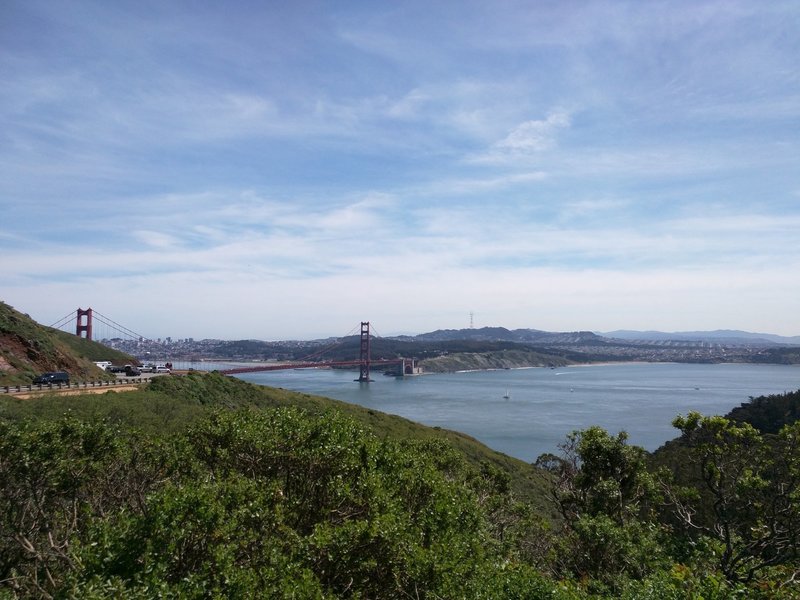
[546,404]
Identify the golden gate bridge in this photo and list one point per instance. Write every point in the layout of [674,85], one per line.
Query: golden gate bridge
[85,324]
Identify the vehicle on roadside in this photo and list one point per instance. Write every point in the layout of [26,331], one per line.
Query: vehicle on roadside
[162,369]
[147,368]
[115,369]
[52,377]
[132,371]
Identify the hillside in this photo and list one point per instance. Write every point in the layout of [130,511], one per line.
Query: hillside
[500,359]
[28,349]
[171,404]
[207,486]
[718,336]
[520,336]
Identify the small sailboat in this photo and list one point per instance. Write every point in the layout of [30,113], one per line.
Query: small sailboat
[507,395]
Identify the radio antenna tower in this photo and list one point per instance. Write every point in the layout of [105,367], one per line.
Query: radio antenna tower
[471,320]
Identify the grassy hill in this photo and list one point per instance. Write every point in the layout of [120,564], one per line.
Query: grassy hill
[28,349]
[501,359]
[172,404]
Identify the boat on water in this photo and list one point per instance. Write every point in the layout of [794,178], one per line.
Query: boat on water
[507,395]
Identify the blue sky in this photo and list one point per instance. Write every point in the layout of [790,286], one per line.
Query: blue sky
[277,170]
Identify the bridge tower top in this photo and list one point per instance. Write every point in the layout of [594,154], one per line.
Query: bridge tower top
[82,326]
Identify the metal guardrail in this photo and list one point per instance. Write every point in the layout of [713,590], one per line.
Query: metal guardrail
[80,385]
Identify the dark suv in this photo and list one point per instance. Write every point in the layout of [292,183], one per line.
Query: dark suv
[52,377]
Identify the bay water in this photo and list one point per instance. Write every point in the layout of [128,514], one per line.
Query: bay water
[544,404]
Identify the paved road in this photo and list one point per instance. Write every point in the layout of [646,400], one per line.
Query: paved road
[123,383]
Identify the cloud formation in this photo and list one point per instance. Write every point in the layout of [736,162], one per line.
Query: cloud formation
[534,136]
[303,168]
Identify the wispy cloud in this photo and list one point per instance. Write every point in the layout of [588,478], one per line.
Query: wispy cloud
[527,140]
[155,239]
[542,165]
[533,136]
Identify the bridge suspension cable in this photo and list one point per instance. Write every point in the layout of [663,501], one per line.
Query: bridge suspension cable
[116,326]
[71,322]
[331,346]
[63,321]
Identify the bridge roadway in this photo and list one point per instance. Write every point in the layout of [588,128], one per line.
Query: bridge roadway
[309,365]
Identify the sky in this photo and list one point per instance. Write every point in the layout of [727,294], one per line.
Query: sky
[285,170]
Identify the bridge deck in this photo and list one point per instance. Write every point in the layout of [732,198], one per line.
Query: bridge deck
[308,365]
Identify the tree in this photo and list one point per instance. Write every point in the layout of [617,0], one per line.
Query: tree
[750,503]
[605,494]
[55,477]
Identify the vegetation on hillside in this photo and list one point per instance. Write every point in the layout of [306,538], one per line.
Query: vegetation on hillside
[769,414]
[778,356]
[28,349]
[168,405]
[205,486]
[501,359]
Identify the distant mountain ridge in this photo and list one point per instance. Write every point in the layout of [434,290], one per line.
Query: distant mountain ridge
[501,334]
[727,336]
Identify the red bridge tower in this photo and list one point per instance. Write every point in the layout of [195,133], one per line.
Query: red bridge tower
[80,327]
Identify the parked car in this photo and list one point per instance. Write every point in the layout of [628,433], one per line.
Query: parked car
[162,369]
[52,377]
[115,369]
[132,371]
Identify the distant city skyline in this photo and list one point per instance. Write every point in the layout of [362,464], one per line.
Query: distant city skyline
[286,170]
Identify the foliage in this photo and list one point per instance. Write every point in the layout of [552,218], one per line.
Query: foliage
[738,534]
[204,486]
[169,404]
[605,494]
[602,475]
[274,503]
[753,493]
[212,389]
[768,414]
[55,477]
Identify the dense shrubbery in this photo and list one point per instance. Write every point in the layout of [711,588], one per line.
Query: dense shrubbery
[284,503]
[769,414]
[271,504]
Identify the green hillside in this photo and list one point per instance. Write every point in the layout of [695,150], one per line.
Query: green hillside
[207,486]
[171,404]
[500,359]
[28,349]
